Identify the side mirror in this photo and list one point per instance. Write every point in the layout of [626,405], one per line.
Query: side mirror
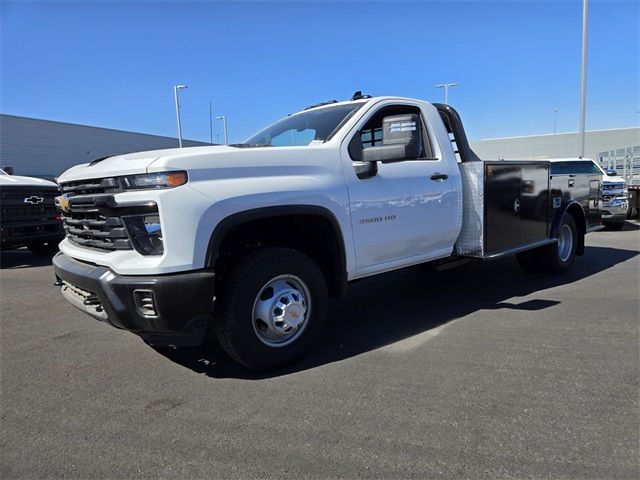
[401,140]
[611,173]
[8,170]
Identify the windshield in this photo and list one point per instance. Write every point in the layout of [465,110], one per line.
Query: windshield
[303,128]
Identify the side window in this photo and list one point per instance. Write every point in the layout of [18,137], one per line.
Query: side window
[593,169]
[567,168]
[371,133]
[371,137]
[560,168]
[587,167]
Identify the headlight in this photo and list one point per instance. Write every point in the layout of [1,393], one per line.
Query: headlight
[155,180]
[145,233]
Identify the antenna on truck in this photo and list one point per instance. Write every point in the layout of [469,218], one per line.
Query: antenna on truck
[359,96]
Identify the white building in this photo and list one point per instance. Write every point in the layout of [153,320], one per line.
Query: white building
[597,142]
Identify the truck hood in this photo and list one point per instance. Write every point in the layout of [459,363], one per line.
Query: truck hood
[611,179]
[219,161]
[134,163]
[17,181]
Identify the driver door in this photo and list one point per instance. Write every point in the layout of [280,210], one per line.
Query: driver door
[401,212]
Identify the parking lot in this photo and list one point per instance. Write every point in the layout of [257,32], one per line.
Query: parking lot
[483,371]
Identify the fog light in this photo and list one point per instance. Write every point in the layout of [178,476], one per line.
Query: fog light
[145,302]
[145,233]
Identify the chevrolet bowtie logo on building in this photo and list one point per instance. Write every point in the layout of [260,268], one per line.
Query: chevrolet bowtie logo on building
[62,202]
[33,200]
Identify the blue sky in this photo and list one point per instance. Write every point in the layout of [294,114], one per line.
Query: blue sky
[113,64]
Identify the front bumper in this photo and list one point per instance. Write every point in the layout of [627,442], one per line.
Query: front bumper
[618,218]
[615,211]
[172,309]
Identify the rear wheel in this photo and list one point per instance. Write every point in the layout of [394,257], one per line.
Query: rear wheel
[555,258]
[272,308]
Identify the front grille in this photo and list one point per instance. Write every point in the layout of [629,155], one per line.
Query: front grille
[28,213]
[27,204]
[9,193]
[86,226]
[94,219]
[607,187]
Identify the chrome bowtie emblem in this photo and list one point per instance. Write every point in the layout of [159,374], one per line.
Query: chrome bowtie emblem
[33,200]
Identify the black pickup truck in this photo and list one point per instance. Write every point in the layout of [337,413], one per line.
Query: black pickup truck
[28,215]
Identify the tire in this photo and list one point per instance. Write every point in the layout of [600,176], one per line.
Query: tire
[42,248]
[555,258]
[613,226]
[289,290]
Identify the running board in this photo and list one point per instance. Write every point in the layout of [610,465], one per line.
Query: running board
[453,263]
[505,252]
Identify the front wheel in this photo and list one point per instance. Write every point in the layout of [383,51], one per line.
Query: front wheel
[272,308]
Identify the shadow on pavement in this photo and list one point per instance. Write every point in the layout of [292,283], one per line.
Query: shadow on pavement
[395,306]
[630,225]
[23,258]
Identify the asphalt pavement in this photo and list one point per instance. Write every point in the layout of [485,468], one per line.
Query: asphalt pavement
[480,372]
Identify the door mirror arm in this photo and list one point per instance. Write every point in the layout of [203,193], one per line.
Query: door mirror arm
[365,169]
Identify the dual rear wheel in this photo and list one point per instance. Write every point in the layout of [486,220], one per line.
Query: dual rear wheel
[554,258]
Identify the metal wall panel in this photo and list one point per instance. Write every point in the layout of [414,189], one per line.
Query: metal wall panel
[44,148]
[470,242]
[560,145]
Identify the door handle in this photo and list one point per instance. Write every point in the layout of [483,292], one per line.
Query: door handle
[439,176]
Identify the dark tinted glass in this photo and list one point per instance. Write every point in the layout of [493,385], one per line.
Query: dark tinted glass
[575,167]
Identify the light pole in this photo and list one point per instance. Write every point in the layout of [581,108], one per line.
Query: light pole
[446,90]
[583,90]
[224,124]
[555,117]
[175,96]
[210,125]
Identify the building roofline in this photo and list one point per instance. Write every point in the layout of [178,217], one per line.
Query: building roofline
[99,128]
[554,134]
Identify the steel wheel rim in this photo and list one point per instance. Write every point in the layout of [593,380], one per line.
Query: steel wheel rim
[281,310]
[565,242]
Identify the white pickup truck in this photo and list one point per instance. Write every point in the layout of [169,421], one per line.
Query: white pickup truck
[615,200]
[251,239]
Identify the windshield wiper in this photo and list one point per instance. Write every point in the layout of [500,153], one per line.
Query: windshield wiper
[249,145]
